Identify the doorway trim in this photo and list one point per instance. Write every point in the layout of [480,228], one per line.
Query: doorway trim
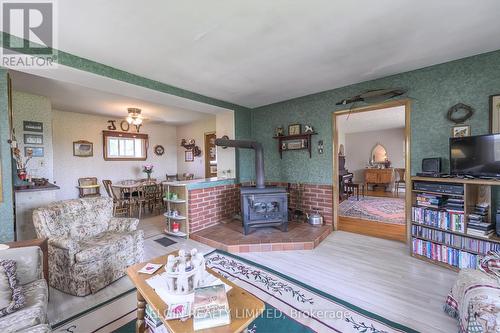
[206,153]
[335,159]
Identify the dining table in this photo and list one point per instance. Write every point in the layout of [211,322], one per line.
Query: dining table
[131,190]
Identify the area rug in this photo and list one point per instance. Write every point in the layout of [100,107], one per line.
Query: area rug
[292,306]
[379,209]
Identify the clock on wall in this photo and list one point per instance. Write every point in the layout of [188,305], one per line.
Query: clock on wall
[159,150]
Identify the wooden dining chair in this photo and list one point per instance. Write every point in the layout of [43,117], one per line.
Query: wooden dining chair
[401,179]
[172,178]
[121,205]
[88,187]
[188,176]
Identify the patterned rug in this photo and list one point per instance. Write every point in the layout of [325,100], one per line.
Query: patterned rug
[292,306]
[387,210]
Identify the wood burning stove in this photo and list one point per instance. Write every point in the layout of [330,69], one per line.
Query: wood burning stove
[264,207]
[261,206]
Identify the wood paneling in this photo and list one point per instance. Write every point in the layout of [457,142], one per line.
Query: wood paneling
[376,229]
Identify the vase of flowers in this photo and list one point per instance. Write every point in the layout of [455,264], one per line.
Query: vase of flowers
[20,164]
[148,170]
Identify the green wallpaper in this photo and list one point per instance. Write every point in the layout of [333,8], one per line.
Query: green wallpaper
[6,207]
[433,90]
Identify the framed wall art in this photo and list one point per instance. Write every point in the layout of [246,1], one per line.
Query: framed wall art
[32,126]
[460,131]
[83,148]
[37,151]
[495,113]
[33,139]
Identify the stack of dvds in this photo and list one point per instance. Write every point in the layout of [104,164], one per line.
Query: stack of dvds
[454,205]
[443,253]
[478,224]
[429,200]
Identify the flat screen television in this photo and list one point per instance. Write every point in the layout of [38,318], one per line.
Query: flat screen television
[477,156]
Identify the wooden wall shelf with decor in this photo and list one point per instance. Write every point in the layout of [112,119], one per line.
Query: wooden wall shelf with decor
[441,235]
[303,141]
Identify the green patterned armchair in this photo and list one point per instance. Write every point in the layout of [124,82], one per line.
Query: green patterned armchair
[88,247]
[32,317]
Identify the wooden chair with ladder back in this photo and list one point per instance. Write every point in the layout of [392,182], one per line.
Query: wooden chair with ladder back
[401,179]
[121,206]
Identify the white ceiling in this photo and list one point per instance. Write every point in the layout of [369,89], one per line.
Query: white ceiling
[110,98]
[258,52]
[372,120]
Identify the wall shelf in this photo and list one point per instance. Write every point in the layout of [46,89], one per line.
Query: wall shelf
[305,138]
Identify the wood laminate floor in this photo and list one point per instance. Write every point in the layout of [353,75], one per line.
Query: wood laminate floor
[375,274]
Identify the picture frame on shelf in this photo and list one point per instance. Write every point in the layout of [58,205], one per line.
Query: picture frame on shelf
[495,113]
[83,148]
[278,131]
[36,151]
[188,156]
[460,131]
[294,129]
[33,139]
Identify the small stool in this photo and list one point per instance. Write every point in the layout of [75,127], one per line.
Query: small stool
[354,189]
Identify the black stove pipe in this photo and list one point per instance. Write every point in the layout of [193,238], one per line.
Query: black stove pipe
[259,156]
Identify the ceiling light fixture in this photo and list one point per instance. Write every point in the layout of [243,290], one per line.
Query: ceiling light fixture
[134,116]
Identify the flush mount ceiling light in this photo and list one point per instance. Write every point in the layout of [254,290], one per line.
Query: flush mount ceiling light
[134,116]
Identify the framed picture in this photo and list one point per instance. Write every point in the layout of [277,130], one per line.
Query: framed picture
[460,131]
[188,156]
[213,169]
[83,148]
[495,113]
[294,129]
[32,126]
[33,139]
[37,151]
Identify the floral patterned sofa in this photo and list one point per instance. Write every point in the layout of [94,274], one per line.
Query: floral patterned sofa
[32,317]
[475,297]
[88,247]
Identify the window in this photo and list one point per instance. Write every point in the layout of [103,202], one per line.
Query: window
[125,146]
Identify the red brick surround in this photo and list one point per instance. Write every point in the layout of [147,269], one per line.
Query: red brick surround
[210,206]
[315,198]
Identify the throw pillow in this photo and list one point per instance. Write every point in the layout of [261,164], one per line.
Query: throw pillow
[13,299]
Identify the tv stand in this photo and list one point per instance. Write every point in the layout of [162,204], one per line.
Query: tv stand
[450,244]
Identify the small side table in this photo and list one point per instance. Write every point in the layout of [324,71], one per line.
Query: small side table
[354,188]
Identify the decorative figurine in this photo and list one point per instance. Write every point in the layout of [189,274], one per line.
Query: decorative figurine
[308,129]
[185,272]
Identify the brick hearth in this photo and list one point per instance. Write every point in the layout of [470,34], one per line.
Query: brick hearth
[229,237]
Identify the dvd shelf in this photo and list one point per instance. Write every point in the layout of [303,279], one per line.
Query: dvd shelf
[440,230]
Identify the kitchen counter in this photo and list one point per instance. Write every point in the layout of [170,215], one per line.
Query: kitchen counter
[28,198]
[195,184]
[33,188]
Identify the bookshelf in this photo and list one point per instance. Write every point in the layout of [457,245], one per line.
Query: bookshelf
[439,232]
[180,204]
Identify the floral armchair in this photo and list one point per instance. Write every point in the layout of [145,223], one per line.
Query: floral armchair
[88,247]
[475,297]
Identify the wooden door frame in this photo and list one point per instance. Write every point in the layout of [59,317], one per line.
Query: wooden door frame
[205,154]
[335,159]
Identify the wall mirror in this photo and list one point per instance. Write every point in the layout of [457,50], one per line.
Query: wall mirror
[119,146]
[378,155]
